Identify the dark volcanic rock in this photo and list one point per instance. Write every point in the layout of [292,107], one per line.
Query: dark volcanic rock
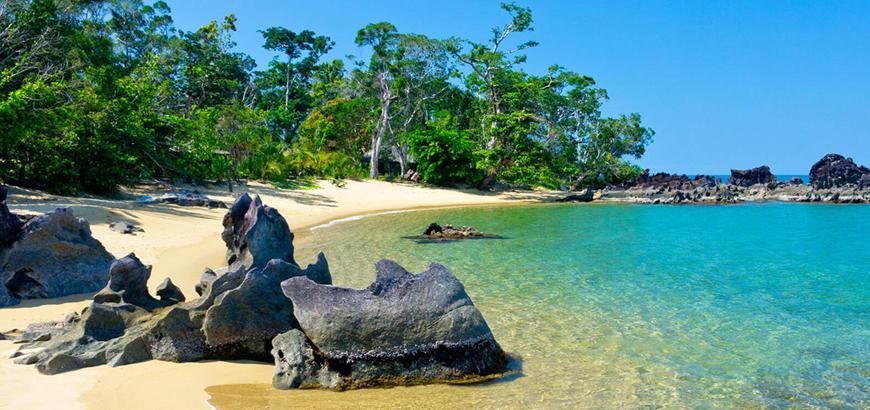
[168,292]
[404,329]
[586,196]
[436,233]
[128,283]
[834,171]
[125,227]
[10,224]
[257,235]
[237,316]
[665,181]
[750,177]
[53,256]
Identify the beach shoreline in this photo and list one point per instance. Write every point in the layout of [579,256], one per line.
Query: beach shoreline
[179,242]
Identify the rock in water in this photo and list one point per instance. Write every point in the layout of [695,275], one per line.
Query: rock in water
[53,256]
[834,171]
[750,177]
[238,314]
[404,329]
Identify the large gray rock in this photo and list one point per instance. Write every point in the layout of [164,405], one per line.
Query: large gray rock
[53,256]
[404,329]
[237,315]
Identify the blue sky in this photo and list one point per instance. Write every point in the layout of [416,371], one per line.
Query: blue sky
[725,84]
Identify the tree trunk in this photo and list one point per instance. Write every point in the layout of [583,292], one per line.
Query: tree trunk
[378,137]
[402,153]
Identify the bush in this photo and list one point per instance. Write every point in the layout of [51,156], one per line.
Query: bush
[444,157]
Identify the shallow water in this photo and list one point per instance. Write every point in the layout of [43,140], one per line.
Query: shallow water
[741,306]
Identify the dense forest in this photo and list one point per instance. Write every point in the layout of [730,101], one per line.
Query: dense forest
[96,94]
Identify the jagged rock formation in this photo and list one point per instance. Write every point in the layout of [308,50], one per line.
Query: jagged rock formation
[237,316]
[665,181]
[49,256]
[835,171]
[403,329]
[750,177]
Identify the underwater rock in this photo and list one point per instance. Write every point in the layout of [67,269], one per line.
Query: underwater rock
[404,329]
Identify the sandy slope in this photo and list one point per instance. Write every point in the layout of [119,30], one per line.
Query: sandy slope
[179,242]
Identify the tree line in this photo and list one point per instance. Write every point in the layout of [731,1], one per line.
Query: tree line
[100,93]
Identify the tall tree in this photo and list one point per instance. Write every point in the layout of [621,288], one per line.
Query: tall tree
[285,86]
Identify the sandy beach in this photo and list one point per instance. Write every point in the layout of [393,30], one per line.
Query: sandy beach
[179,242]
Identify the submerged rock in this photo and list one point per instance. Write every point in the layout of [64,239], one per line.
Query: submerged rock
[834,171]
[53,255]
[404,329]
[750,177]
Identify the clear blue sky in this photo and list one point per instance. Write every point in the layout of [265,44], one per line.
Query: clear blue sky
[725,84]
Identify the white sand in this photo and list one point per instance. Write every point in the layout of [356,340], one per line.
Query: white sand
[179,242]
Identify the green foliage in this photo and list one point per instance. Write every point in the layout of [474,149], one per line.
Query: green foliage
[444,157]
[100,93]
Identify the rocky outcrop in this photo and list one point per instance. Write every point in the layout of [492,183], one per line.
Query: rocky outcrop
[749,177]
[52,255]
[182,198]
[438,233]
[238,314]
[586,196]
[665,181]
[403,329]
[835,171]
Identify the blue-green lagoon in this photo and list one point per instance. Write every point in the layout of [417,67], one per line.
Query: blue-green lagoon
[615,306]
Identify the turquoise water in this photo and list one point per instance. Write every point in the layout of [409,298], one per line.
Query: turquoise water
[742,306]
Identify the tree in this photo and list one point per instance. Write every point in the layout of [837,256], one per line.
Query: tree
[380,36]
[285,86]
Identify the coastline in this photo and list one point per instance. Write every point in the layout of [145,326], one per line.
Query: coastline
[179,242]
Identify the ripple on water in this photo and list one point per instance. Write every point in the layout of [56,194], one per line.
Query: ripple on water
[756,305]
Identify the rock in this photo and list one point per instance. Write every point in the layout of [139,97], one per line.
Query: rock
[182,198]
[834,171]
[168,292]
[239,312]
[432,229]
[663,180]
[437,233]
[128,283]
[256,236]
[587,196]
[53,256]
[10,224]
[404,329]
[750,177]
[125,228]
[297,366]
[205,279]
